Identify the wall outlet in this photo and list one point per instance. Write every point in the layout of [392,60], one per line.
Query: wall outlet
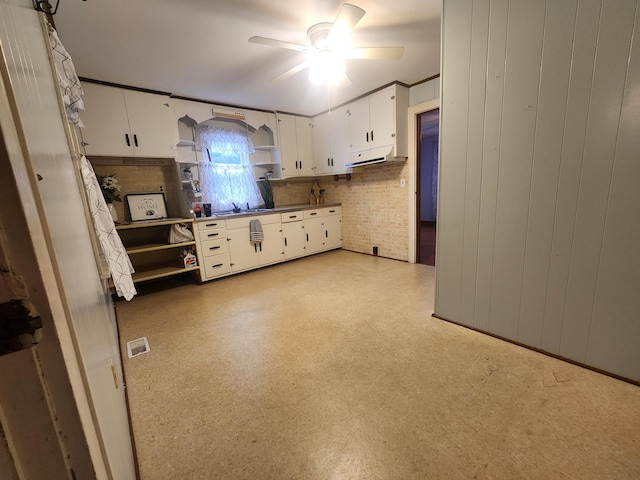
[403,182]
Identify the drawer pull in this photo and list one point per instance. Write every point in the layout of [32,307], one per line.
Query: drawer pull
[313,213]
[332,211]
[213,234]
[211,225]
[293,216]
[214,248]
[216,265]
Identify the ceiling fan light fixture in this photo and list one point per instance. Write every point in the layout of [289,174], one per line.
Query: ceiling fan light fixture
[326,67]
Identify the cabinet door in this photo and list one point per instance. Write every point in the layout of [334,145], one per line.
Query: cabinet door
[359,125]
[332,231]
[340,153]
[304,137]
[244,254]
[288,145]
[314,234]
[382,117]
[153,132]
[106,127]
[294,239]
[322,143]
[271,249]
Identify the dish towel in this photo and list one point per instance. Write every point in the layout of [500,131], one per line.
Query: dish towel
[255,232]
[116,255]
[67,78]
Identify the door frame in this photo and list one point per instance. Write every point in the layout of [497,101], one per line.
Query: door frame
[413,159]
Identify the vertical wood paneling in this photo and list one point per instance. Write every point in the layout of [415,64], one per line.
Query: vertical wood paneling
[496,49]
[475,139]
[616,313]
[456,41]
[547,151]
[582,60]
[524,50]
[614,38]
[558,217]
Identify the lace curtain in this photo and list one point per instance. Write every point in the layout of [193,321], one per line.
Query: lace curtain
[226,175]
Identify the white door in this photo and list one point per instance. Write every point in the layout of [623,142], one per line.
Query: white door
[271,249]
[294,240]
[244,254]
[106,126]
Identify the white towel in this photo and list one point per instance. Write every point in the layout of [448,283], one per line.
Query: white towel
[115,253]
[67,78]
[255,231]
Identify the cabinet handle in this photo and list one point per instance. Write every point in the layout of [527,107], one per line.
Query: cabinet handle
[307,237]
[214,248]
[84,144]
[326,234]
[372,135]
[260,247]
[135,139]
[216,265]
[211,225]
[285,241]
[126,137]
[296,165]
[367,137]
[300,164]
[328,162]
[213,234]
[332,162]
[255,247]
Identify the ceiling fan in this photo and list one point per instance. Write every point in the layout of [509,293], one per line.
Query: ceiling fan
[329,47]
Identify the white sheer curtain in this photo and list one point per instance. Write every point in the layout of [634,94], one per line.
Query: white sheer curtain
[226,175]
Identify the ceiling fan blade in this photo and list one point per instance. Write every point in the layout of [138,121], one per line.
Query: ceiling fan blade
[291,72]
[375,53]
[272,42]
[348,16]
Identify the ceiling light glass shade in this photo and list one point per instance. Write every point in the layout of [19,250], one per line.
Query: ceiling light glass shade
[326,67]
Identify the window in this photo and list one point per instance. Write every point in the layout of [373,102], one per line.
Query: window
[226,176]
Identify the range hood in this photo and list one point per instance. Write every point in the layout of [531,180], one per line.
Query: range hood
[373,156]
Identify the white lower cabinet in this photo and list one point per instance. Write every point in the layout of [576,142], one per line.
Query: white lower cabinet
[225,246]
[246,254]
[293,234]
[213,250]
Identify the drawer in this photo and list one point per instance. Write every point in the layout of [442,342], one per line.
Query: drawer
[214,223]
[243,222]
[212,234]
[332,211]
[214,247]
[316,212]
[217,265]
[291,216]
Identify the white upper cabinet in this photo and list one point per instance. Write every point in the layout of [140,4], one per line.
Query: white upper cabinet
[331,142]
[296,146]
[126,123]
[380,120]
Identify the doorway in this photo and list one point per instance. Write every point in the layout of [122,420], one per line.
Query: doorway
[428,127]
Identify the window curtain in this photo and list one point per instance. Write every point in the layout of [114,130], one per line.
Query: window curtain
[226,176]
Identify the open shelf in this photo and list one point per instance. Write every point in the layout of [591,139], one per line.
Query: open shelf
[153,247]
[161,271]
[152,223]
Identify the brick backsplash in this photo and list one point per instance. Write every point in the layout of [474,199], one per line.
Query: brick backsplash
[374,207]
[144,179]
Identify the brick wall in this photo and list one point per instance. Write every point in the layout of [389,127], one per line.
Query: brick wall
[374,207]
[143,179]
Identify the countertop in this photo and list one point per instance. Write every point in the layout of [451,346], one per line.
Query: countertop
[264,211]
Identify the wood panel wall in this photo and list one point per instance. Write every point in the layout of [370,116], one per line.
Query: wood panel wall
[539,209]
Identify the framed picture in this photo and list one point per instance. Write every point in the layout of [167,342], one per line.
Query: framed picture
[146,206]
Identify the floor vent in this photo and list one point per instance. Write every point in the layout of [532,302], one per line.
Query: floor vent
[137,347]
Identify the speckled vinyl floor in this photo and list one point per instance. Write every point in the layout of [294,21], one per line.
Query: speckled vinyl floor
[331,367]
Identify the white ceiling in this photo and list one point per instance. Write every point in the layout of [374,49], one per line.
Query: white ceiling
[199,48]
